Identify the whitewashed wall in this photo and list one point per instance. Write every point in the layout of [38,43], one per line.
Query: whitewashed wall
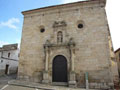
[12,61]
[13,54]
[0,54]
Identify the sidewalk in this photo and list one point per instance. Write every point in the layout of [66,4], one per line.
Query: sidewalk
[40,86]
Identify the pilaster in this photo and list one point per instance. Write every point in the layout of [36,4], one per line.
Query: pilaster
[72,80]
[45,72]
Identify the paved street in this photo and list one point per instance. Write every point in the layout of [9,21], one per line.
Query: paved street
[4,79]
[11,87]
[24,85]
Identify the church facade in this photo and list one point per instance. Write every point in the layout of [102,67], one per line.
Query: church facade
[66,45]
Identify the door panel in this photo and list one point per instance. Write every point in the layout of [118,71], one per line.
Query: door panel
[59,69]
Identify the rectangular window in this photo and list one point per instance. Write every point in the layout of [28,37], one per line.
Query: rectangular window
[8,54]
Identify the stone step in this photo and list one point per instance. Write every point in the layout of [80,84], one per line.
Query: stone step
[60,84]
[28,84]
[41,86]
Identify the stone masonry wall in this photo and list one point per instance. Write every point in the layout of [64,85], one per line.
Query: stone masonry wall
[92,53]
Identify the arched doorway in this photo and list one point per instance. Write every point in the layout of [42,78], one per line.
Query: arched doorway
[59,70]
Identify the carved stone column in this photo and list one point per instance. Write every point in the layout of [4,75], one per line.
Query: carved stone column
[72,80]
[72,57]
[46,58]
[45,72]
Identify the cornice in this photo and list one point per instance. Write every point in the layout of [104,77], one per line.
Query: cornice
[101,3]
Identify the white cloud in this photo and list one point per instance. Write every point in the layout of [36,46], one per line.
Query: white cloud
[3,43]
[10,23]
[68,1]
[19,42]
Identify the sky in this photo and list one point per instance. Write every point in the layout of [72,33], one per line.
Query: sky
[11,19]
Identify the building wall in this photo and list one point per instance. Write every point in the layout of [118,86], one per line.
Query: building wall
[117,54]
[13,54]
[114,65]
[115,74]
[1,72]
[0,53]
[11,61]
[91,52]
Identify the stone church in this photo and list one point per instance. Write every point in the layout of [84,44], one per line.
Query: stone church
[66,45]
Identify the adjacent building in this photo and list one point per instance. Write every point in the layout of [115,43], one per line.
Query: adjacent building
[9,59]
[67,45]
[114,65]
[117,53]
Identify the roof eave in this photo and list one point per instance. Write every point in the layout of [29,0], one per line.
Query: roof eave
[55,6]
[117,50]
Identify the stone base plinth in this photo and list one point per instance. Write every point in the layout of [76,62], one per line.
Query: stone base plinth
[45,77]
[72,84]
[45,81]
[102,86]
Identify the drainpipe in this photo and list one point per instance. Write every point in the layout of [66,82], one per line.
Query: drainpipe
[87,83]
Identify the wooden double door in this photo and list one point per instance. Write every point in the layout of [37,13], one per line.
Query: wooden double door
[59,69]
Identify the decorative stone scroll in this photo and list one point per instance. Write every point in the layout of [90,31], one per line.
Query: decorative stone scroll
[59,24]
